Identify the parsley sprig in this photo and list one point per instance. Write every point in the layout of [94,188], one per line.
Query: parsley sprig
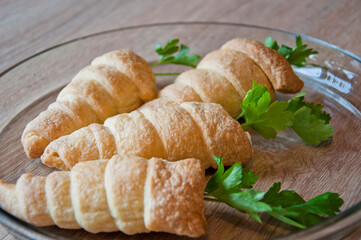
[310,122]
[262,116]
[295,56]
[174,54]
[305,118]
[167,55]
[235,188]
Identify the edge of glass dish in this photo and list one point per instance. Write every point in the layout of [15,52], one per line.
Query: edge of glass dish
[333,228]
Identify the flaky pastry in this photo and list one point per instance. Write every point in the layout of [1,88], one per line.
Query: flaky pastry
[116,82]
[160,128]
[130,194]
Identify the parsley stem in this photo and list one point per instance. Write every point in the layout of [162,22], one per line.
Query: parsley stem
[239,117]
[155,64]
[167,74]
[212,200]
[245,125]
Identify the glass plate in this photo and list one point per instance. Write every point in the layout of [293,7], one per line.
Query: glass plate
[31,85]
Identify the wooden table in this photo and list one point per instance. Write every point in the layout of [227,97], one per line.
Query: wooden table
[28,27]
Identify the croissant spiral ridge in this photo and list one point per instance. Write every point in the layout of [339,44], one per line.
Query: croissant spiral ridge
[225,76]
[160,128]
[130,194]
[116,82]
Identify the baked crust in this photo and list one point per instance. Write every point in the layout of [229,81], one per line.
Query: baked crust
[201,85]
[130,194]
[31,201]
[174,197]
[275,66]
[124,183]
[117,82]
[222,134]
[164,129]
[238,68]
[134,67]
[57,189]
[88,197]
[223,76]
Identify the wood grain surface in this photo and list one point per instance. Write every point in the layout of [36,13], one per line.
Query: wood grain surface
[28,27]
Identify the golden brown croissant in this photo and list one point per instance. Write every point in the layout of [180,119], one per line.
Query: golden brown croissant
[130,194]
[117,82]
[224,76]
[160,128]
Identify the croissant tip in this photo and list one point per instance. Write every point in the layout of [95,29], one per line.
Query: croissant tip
[34,145]
[52,159]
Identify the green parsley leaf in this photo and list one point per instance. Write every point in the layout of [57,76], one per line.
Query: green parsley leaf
[295,56]
[280,214]
[234,178]
[311,129]
[183,59]
[166,54]
[170,48]
[233,187]
[325,204]
[307,119]
[271,43]
[247,201]
[248,179]
[262,116]
[289,207]
[226,187]
[284,198]
[297,102]
[216,179]
[311,123]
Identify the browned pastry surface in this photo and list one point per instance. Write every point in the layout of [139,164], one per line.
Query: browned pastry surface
[117,82]
[130,194]
[225,76]
[161,128]
[276,67]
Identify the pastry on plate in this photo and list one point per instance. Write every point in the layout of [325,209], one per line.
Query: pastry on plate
[116,82]
[225,76]
[160,128]
[128,194]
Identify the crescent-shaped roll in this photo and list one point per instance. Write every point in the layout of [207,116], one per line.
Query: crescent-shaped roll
[117,82]
[225,76]
[275,66]
[161,128]
[130,194]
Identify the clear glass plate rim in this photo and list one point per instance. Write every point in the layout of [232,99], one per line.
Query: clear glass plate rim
[315,40]
[331,222]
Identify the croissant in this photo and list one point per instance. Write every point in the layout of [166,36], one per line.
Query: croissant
[130,194]
[160,128]
[117,82]
[225,76]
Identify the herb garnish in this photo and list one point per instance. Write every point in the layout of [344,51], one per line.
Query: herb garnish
[166,55]
[295,56]
[235,188]
[305,118]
